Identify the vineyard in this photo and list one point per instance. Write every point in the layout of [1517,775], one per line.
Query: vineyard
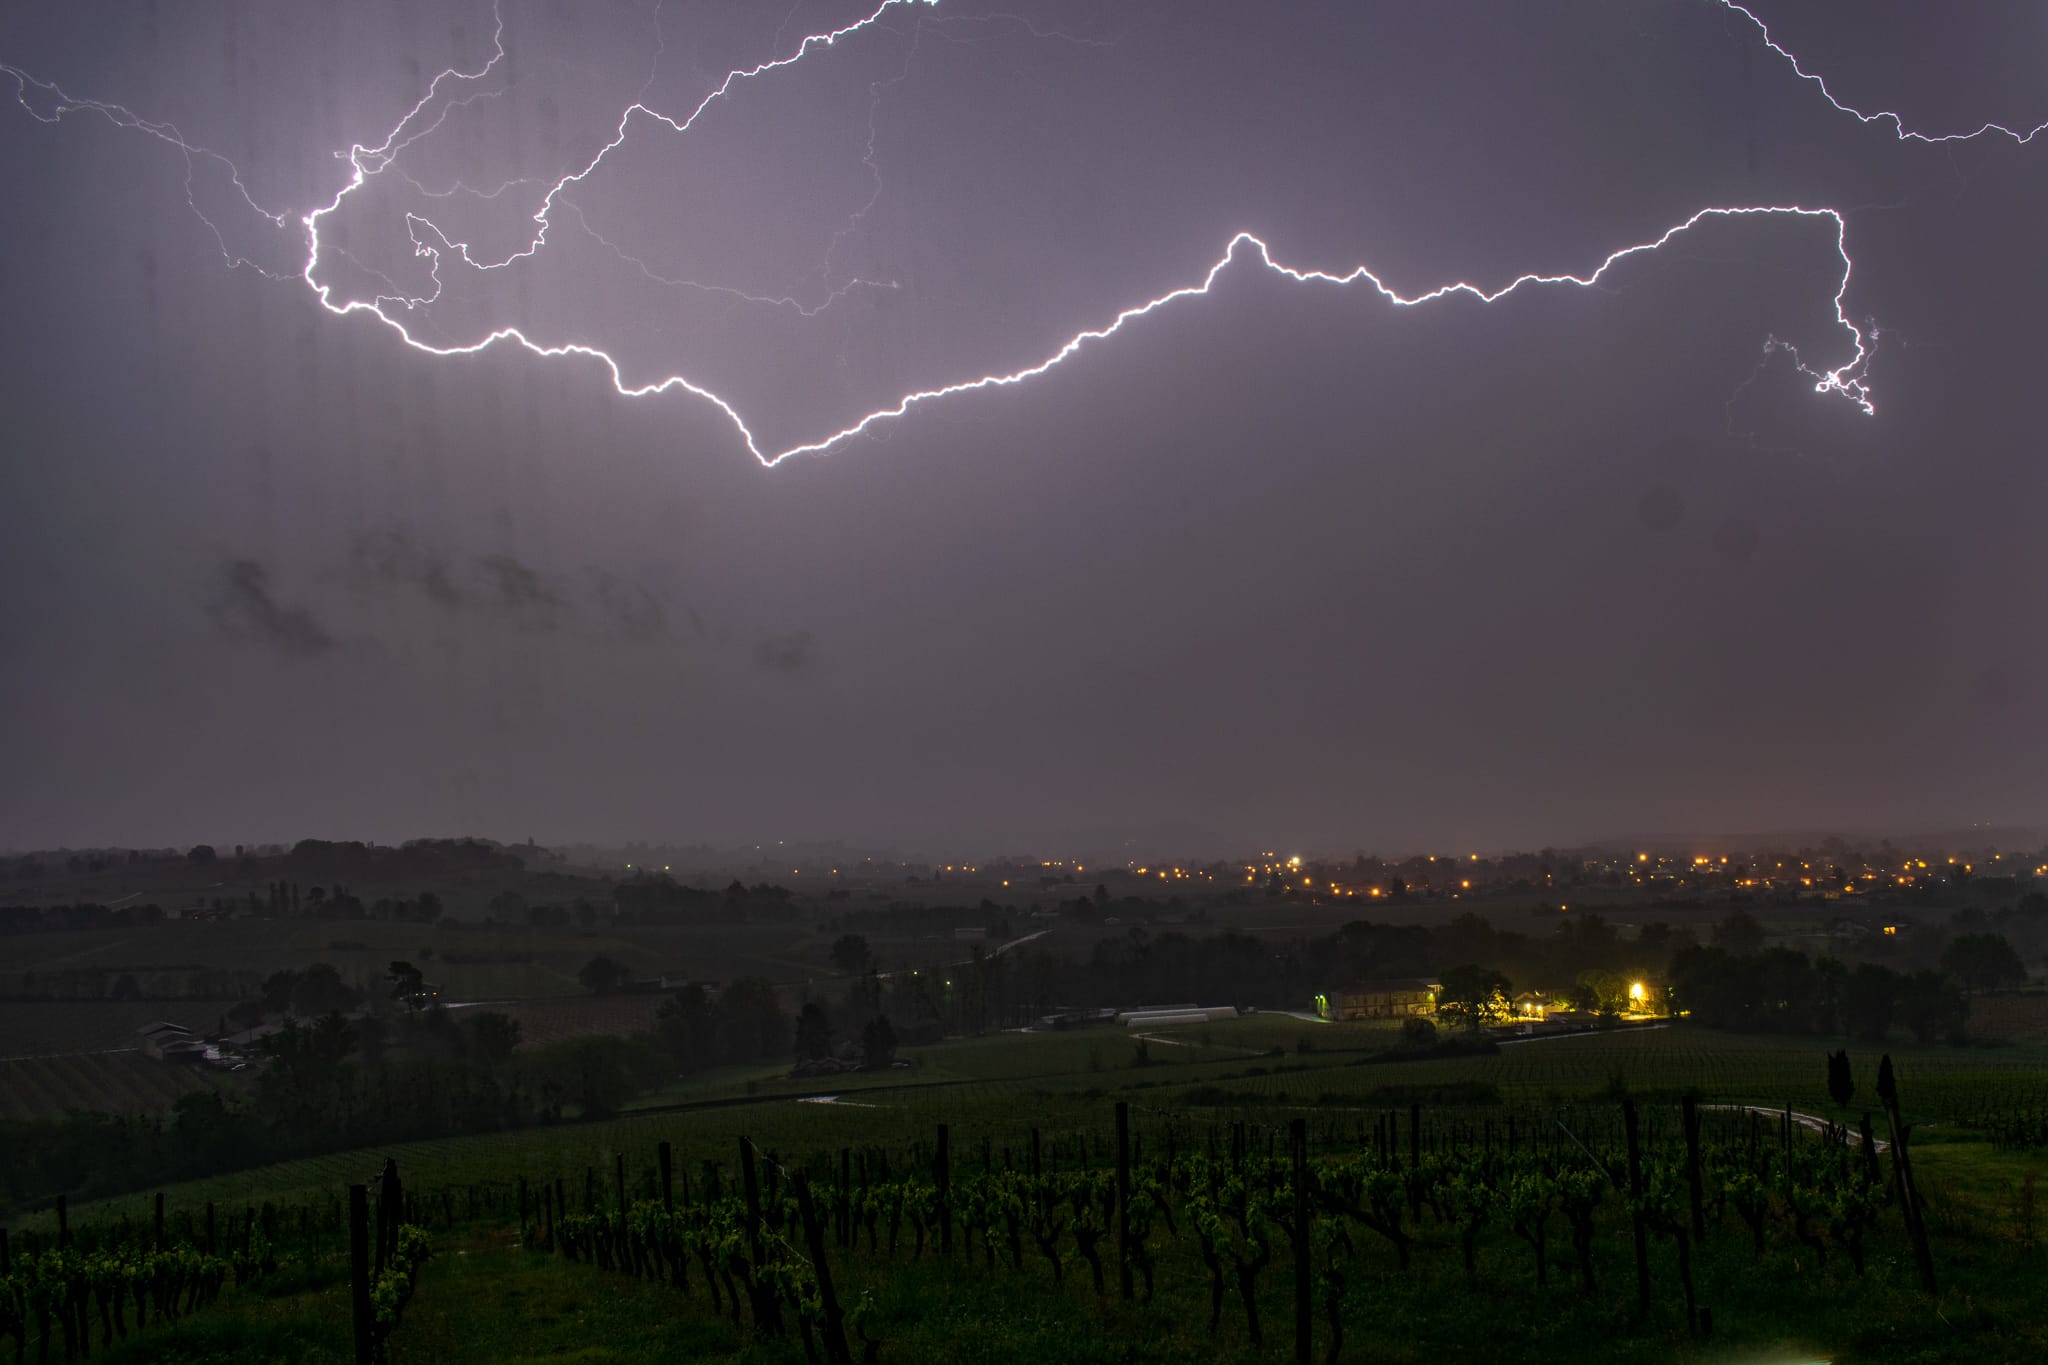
[80,1289]
[1048,1077]
[103,1082]
[1566,1195]
[1232,1223]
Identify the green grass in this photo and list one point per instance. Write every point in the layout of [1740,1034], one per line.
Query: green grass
[1024,1087]
[295,1317]
[484,1299]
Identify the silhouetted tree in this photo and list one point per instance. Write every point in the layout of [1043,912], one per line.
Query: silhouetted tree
[491,1036]
[406,981]
[878,1041]
[686,1030]
[1983,962]
[1841,1082]
[1739,935]
[1934,1007]
[1869,997]
[751,1024]
[1474,995]
[320,990]
[813,1033]
[850,954]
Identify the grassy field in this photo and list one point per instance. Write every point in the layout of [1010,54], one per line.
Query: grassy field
[486,1298]
[470,960]
[998,1088]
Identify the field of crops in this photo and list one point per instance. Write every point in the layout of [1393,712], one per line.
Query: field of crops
[47,1028]
[108,1082]
[551,1019]
[1942,1088]
[1945,1081]
[2010,1016]
[1500,1232]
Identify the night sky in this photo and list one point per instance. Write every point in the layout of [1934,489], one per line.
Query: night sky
[1287,562]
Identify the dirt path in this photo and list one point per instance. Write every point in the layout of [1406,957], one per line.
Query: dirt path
[1585,1033]
[1206,1047]
[1811,1122]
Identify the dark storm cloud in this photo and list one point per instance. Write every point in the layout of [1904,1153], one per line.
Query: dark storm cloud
[392,559]
[600,602]
[792,653]
[242,605]
[519,588]
[629,608]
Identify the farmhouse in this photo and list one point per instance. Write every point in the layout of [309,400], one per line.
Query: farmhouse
[169,1042]
[1392,998]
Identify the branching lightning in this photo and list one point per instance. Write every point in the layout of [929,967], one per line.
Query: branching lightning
[1897,122]
[453,89]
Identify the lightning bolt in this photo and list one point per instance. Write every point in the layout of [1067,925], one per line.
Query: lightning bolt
[1866,117]
[52,104]
[46,102]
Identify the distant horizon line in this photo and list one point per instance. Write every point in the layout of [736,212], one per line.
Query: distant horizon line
[1150,845]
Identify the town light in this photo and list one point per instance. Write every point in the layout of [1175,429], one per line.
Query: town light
[1635,992]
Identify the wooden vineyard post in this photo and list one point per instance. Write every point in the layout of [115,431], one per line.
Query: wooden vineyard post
[1123,1199]
[359,1270]
[836,1350]
[522,1212]
[1635,1195]
[942,1175]
[619,1175]
[547,1216]
[390,1213]
[1691,1114]
[845,1211]
[751,1183]
[1414,1136]
[665,1157]
[1909,1195]
[1297,1139]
